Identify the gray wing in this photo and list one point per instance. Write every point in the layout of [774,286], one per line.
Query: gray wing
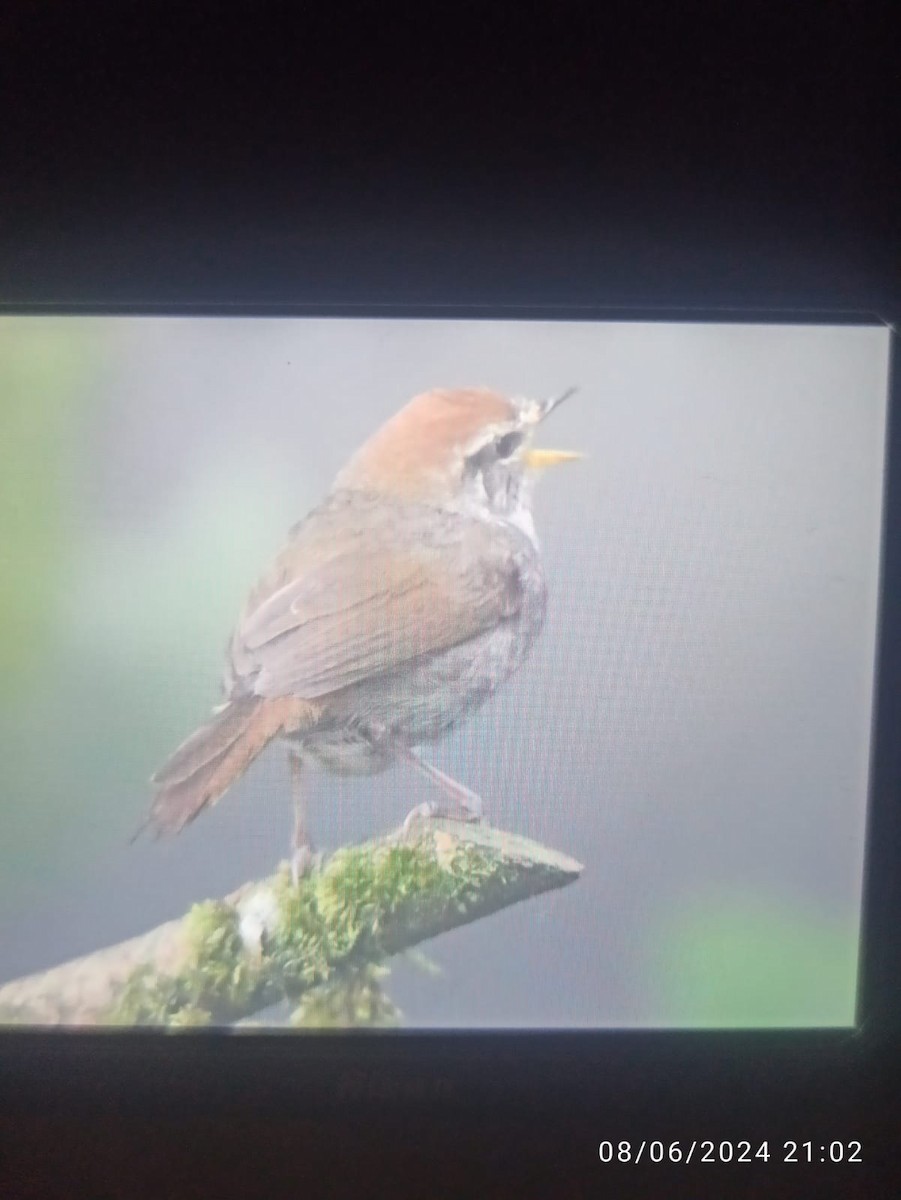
[347,602]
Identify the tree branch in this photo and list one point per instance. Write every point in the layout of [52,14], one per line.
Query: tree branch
[225,960]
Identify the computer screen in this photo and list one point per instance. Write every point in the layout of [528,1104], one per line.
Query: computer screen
[436,673]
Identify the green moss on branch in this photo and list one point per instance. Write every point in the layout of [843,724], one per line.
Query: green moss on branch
[319,944]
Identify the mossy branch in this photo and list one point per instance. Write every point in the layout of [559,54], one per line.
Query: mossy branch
[228,959]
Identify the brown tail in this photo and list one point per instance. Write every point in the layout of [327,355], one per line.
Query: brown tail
[217,755]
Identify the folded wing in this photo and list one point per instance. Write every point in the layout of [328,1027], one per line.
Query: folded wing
[351,599]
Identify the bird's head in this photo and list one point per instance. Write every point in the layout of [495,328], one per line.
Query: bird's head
[463,449]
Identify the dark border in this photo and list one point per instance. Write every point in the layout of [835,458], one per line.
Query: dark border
[785,1083]
[723,314]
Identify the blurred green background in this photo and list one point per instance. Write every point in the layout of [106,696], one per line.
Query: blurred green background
[92,612]
[48,384]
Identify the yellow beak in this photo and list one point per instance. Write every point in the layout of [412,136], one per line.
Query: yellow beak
[537,460]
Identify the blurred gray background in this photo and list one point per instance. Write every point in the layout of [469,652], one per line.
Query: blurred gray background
[693,726]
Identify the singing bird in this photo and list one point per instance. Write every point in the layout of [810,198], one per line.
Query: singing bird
[396,608]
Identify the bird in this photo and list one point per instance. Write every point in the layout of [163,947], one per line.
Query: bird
[395,609]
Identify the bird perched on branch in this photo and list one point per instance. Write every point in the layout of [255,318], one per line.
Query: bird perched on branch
[395,609]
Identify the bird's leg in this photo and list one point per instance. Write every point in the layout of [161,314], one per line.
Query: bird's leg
[303,855]
[460,803]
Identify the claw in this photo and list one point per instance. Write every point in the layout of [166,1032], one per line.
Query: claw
[422,812]
[431,809]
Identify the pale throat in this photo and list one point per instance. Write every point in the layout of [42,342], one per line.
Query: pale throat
[521,518]
[512,507]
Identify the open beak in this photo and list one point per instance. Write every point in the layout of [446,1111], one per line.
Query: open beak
[538,460]
[548,406]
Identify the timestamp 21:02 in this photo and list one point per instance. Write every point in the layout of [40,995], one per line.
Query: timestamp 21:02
[684,1151]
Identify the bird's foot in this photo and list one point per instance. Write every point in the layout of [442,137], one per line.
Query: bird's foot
[304,861]
[457,803]
[469,812]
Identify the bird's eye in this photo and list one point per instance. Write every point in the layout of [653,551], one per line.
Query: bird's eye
[506,445]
